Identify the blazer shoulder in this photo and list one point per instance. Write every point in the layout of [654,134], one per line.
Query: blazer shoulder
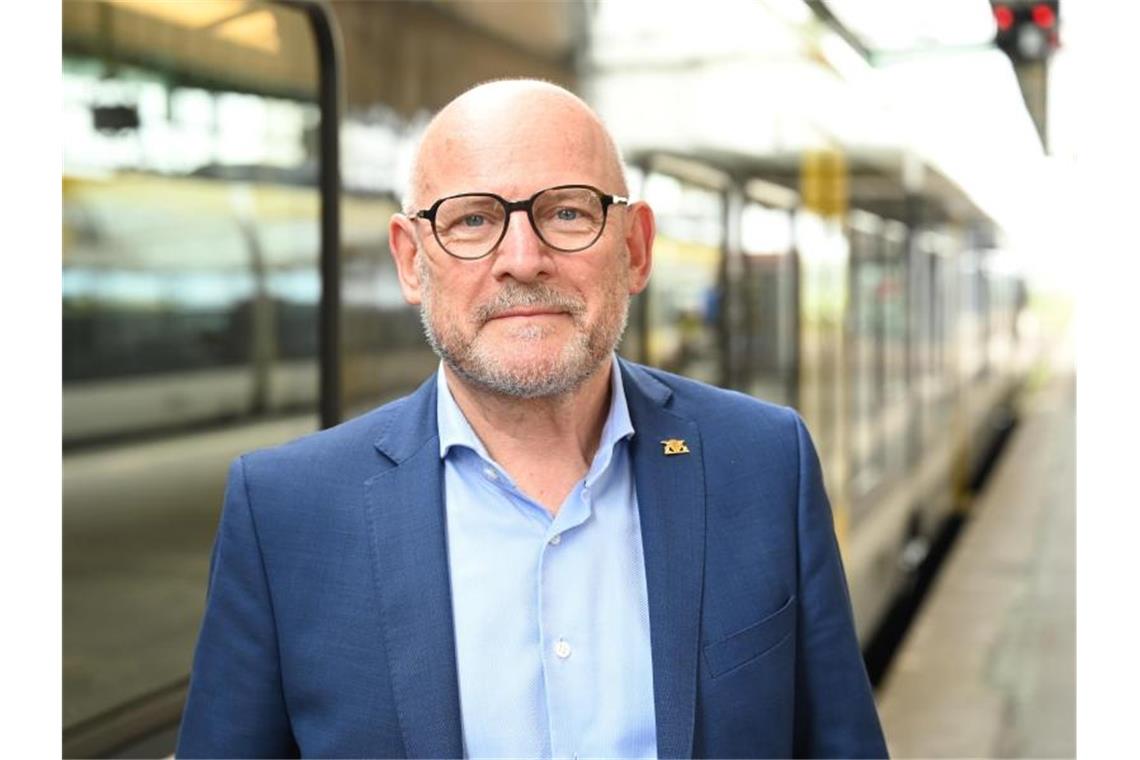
[351,445]
[723,409]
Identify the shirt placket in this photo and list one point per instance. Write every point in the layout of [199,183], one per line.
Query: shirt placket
[565,652]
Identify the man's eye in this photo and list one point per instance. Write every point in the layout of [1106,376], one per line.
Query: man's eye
[474,220]
[566,214]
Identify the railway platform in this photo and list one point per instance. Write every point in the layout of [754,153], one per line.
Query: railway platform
[988,668]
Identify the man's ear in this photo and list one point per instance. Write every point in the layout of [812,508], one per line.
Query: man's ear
[402,243]
[640,230]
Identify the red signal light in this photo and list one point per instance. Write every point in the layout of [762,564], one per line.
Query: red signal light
[1004,17]
[1044,16]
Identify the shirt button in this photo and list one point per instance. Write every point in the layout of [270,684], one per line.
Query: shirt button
[490,473]
[556,539]
[562,649]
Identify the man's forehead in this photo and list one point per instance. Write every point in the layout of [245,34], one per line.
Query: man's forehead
[530,132]
[517,137]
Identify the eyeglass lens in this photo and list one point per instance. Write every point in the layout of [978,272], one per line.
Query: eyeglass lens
[567,219]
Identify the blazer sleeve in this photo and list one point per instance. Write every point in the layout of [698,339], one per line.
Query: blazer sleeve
[835,711]
[235,706]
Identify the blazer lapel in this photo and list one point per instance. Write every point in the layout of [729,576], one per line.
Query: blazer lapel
[407,520]
[671,506]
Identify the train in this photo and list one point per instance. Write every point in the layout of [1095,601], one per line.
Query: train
[884,309]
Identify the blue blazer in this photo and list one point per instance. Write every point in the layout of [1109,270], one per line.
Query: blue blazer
[328,627]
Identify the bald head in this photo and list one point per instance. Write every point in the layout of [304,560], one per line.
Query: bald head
[513,137]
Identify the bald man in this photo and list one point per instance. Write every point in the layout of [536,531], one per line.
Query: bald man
[545,551]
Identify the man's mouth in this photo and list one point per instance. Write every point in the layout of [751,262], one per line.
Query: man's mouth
[528,311]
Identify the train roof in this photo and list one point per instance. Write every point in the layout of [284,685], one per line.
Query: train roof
[892,183]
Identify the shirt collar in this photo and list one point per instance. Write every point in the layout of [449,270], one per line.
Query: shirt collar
[455,430]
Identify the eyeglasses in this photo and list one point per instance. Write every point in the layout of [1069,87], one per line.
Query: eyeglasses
[567,218]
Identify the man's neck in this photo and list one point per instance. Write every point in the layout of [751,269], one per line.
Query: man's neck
[546,444]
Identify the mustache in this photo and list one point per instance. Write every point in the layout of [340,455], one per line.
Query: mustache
[514,296]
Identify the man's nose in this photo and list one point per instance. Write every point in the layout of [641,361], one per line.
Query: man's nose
[521,254]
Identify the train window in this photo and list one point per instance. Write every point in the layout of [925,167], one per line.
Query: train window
[189,308]
[921,318]
[971,314]
[892,305]
[383,353]
[133,304]
[768,290]
[683,298]
[865,325]
[936,387]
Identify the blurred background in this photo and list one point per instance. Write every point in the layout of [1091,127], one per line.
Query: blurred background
[863,212]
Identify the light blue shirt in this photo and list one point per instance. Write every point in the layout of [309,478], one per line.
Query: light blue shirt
[551,614]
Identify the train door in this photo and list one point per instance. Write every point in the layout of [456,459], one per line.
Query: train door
[822,252]
[877,332]
[199,227]
[864,356]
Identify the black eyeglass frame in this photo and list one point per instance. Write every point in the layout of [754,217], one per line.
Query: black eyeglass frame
[527,205]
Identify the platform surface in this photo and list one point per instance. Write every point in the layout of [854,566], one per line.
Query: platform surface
[988,668]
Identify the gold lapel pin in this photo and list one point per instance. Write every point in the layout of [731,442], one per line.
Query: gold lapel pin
[674,446]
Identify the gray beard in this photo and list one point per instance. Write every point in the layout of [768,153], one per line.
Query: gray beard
[580,359]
